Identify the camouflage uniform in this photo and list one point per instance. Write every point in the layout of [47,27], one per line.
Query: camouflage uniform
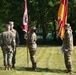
[7,44]
[16,38]
[67,48]
[31,39]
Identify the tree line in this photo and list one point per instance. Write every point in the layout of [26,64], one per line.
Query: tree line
[41,13]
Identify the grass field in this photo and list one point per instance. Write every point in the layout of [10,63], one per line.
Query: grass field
[50,61]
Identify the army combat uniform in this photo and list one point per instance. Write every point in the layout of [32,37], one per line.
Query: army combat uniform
[31,39]
[16,38]
[67,48]
[7,44]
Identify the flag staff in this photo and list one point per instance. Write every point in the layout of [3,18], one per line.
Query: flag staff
[25,27]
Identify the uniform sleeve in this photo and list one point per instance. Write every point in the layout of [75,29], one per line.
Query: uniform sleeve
[28,40]
[34,38]
[68,36]
[13,42]
[1,40]
[17,38]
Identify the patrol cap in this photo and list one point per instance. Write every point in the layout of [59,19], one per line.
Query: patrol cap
[67,25]
[11,22]
[33,28]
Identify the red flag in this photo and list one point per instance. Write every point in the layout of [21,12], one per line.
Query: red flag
[25,17]
[62,17]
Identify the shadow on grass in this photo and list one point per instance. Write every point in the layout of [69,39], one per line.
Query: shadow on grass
[1,68]
[39,70]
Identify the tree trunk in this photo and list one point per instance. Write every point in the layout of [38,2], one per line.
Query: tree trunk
[54,30]
[44,33]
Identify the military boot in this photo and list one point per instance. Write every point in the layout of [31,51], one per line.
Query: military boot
[34,66]
[9,68]
[6,67]
[69,71]
[13,66]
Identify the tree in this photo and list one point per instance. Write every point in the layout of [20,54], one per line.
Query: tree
[72,16]
[42,14]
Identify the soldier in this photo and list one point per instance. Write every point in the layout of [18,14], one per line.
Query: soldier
[7,44]
[16,38]
[68,47]
[31,41]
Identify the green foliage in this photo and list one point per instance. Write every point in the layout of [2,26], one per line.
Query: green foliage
[11,10]
[42,14]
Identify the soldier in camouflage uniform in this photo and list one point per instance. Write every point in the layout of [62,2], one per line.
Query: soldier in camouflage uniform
[68,47]
[7,44]
[31,41]
[16,38]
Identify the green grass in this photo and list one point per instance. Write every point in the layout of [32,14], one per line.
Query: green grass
[50,61]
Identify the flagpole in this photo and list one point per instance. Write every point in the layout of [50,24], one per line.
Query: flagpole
[27,44]
[25,37]
[25,27]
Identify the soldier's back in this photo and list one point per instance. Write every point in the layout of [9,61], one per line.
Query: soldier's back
[68,40]
[14,32]
[7,37]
